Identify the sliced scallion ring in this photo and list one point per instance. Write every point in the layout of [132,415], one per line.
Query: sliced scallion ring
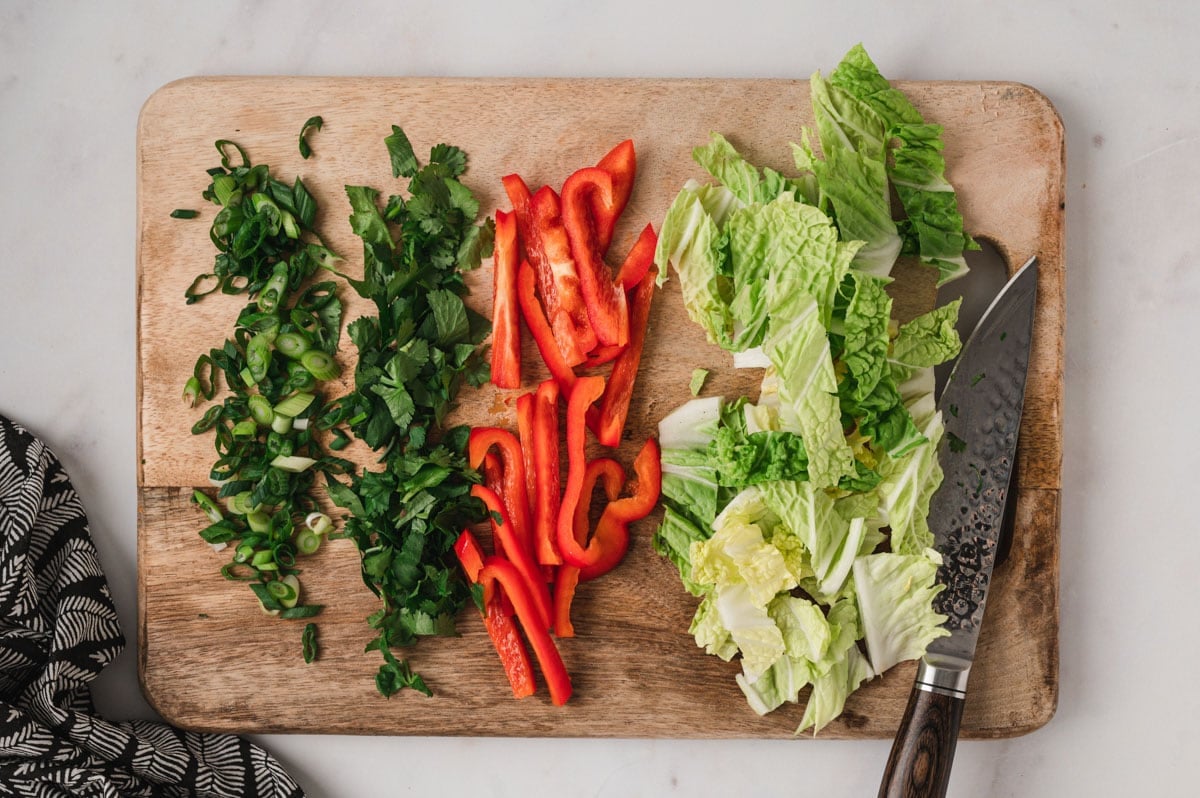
[292,344]
[261,410]
[282,592]
[320,365]
[281,423]
[258,521]
[319,523]
[307,542]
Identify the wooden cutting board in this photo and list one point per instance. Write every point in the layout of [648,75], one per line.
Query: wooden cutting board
[208,659]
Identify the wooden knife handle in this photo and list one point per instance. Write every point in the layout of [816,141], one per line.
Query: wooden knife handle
[919,765]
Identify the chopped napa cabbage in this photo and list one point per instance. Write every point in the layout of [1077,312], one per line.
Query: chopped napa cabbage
[895,601]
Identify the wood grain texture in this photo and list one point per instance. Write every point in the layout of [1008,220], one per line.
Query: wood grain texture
[923,753]
[637,671]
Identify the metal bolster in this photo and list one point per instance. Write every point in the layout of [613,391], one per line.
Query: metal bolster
[949,681]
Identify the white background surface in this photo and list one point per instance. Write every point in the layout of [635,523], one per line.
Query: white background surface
[1124,75]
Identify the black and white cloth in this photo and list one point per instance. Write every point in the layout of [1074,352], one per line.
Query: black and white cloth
[58,630]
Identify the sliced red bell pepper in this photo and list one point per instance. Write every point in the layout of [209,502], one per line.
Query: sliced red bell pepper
[508,644]
[567,577]
[587,390]
[493,477]
[609,422]
[621,165]
[525,409]
[506,639]
[639,260]
[603,354]
[539,328]
[470,555]
[546,470]
[612,532]
[520,557]
[498,572]
[519,196]
[506,330]
[514,493]
[550,254]
[606,307]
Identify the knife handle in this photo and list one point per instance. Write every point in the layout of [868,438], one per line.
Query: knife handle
[919,764]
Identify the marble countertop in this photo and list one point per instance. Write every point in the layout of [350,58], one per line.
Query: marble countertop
[1124,76]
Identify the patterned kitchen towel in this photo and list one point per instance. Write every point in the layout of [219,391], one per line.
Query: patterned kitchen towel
[58,630]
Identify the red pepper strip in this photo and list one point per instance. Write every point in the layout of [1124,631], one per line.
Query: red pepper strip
[606,308]
[621,164]
[567,578]
[508,644]
[639,260]
[506,639]
[587,390]
[550,254]
[546,471]
[506,330]
[518,556]
[525,405]
[493,477]
[612,532]
[470,554]
[519,196]
[514,488]
[535,319]
[497,570]
[609,423]
[603,354]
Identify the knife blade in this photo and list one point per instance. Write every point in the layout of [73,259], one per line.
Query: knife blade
[981,409]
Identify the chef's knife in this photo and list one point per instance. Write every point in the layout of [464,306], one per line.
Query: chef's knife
[981,409]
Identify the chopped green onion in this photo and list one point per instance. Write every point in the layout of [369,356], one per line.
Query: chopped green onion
[285,553]
[203,285]
[220,532]
[314,122]
[191,392]
[208,506]
[243,553]
[307,542]
[292,344]
[307,611]
[319,523]
[223,188]
[290,228]
[291,581]
[299,377]
[340,440]
[272,292]
[258,356]
[320,365]
[234,571]
[245,429]
[184,213]
[208,420]
[294,464]
[247,377]
[258,521]
[270,605]
[308,643]
[283,592]
[263,558]
[281,423]
[242,503]
[261,410]
[294,405]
